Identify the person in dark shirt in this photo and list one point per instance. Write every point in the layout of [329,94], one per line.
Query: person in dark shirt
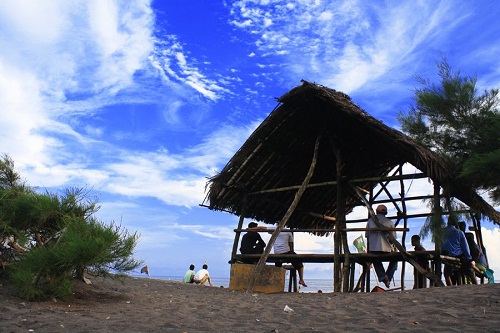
[252,243]
[419,281]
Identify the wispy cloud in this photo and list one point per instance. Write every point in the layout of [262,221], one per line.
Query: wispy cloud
[88,56]
[343,44]
[60,58]
[171,58]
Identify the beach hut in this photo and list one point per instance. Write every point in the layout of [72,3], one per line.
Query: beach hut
[313,160]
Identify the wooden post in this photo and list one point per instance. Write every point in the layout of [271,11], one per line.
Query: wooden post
[238,233]
[405,223]
[367,276]
[340,239]
[288,214]
[398,245]
[352,269]
[437,247]
[360,286]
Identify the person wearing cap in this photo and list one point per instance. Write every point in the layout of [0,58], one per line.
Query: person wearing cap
[379,243]
[252,242]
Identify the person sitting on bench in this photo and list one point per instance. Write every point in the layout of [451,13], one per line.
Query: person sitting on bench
[455,245]
[284,245]
[252,243]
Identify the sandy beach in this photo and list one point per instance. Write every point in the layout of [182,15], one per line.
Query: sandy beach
[150,305]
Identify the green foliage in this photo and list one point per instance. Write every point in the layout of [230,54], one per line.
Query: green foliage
[482,169]
[57,238]
[434,224]
[462,125]
[38,277]
[30,211]
[84,246]
[99,248]
[8,176]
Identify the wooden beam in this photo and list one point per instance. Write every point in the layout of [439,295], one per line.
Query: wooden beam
[288,214]
[322,230]
[329,258]
[402,194]
[334,183]
[240,225]
[413,215]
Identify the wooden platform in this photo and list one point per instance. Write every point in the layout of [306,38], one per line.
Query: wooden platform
[329,258]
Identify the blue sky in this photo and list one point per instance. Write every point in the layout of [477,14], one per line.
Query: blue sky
[140,101]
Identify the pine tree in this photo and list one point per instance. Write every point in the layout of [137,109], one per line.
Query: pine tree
[462,125]
[53,238]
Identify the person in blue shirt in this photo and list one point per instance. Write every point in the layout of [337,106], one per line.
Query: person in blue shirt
[455,245]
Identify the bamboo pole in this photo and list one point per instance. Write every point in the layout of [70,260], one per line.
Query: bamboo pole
[391,198]
[381,182]
[340,217]
[402,194]
[351,276]
[437,211]
[325,229]
[284,220]
[334,183]
[240,225]
[398,245]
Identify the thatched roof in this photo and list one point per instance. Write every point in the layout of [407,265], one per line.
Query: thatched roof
[279,152]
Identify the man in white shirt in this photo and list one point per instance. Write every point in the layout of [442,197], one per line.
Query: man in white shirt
[202,276]
[378,243]
[284,245]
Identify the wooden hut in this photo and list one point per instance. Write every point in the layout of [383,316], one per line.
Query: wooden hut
[316,157]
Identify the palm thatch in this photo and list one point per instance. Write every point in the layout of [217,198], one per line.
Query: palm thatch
[278,155]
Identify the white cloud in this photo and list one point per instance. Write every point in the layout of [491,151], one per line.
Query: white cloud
[93,49]
[344,44]
[491,239]
[50,62]
[172,60]
[22,115]
[325,16]
[175,179]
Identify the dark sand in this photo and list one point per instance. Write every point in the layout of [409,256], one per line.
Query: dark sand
[149,305]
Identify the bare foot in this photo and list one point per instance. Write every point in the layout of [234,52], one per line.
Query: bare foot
[302,283]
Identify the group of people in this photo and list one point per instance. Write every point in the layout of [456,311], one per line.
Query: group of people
[252,243]
[460,244]
[456,243]
[201,277]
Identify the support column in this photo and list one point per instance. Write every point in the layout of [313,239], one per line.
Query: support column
[437,247]
[340,236]
[405,222]
[240,226]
